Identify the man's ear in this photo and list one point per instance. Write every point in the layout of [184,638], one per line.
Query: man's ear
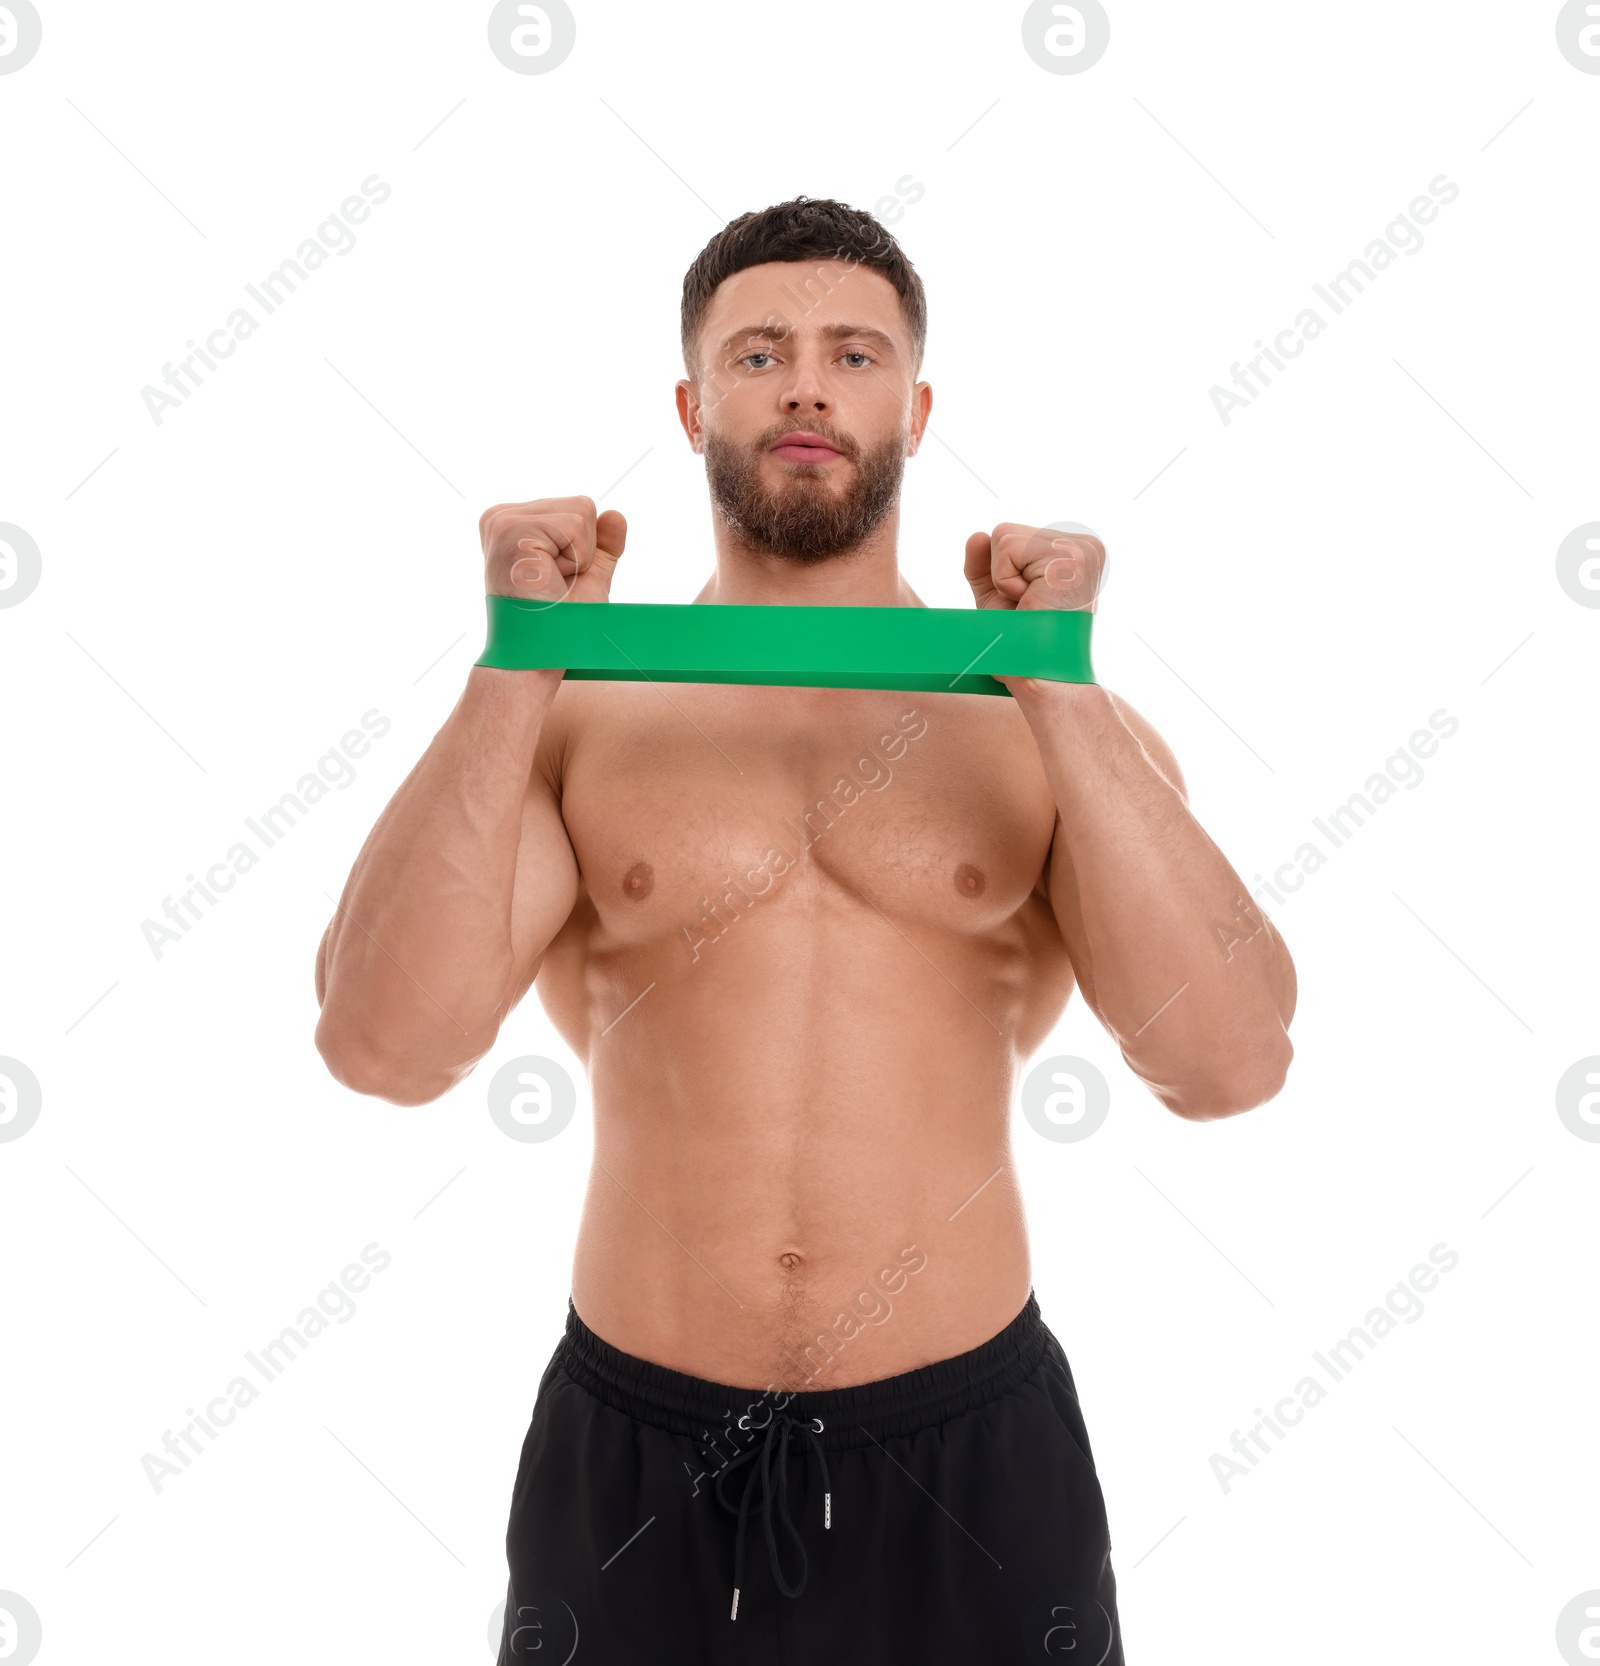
[688,398]
[921,405]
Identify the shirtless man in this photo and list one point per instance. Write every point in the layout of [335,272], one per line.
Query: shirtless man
[804,940]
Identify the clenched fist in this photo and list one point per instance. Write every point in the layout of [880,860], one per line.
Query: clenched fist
[1032,566]
[553,549]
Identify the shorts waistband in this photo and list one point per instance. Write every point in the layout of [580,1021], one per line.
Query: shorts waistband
[850,1417]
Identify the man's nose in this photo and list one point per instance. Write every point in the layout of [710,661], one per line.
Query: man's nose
[806,388]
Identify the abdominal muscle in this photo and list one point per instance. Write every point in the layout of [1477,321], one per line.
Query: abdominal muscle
[802,1174]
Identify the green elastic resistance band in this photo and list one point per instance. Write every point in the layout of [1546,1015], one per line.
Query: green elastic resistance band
[943,650]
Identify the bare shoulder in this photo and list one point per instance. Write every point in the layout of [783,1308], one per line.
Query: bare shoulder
[1149,737]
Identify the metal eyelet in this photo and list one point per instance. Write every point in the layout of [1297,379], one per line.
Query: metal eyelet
[816,1423]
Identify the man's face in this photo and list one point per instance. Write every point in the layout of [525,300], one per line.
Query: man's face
[805,406]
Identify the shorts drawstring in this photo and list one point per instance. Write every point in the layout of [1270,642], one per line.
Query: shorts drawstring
[779,1426]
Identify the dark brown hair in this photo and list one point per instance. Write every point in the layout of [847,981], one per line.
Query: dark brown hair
[805,228]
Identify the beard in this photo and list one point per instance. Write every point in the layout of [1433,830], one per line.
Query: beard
[804,519]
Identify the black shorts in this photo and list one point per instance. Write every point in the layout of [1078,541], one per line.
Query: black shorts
[948,1514]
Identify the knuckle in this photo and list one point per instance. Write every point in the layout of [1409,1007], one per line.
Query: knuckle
[576,506]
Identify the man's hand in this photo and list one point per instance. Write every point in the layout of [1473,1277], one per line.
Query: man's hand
[553,549]
[1031,566]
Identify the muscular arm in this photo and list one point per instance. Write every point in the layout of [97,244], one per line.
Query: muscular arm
[460,886]
[1189,978]
[1150,907]
[468,873]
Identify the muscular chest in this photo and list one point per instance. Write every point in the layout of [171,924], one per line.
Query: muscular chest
[690,805]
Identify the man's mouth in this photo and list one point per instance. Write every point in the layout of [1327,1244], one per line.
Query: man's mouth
[800,445]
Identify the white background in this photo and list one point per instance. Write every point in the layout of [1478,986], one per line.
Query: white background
[1293,593]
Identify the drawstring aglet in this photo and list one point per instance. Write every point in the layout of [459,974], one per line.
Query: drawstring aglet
[827,1509]
[735,1614]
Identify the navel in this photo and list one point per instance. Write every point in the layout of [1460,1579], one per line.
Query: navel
[790,1261]
[970,881]
[638,882]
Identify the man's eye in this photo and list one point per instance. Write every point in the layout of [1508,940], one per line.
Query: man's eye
[856,353]
[760,353]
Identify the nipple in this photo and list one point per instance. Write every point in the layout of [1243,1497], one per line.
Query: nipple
[970,881]
[638,882]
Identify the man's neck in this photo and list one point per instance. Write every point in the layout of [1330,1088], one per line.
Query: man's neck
[867,576]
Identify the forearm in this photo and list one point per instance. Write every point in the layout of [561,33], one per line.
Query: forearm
[415,969]
[1183,969]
